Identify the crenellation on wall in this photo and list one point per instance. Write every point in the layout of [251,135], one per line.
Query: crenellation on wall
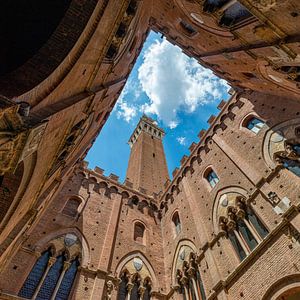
[150,230]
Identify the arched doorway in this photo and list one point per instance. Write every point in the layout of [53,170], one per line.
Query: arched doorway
[292,294]
[286,288]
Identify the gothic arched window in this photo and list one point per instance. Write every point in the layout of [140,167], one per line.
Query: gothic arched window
[139,231]
[71,207]
[52,277]
[176,223]
[35,276]
[123,291]
[232,12]
[244,229]
[211,177]
[147,289]
[254,124]
[134,295]
[68,280]
[189,280]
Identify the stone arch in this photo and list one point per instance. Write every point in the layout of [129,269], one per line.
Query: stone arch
[128,258]
[26,168]
[113,190]
[134,200]
[286,286]
[139,232]
[125,195]
[176,223]
[42,243]
[52,20]
[216,212]
[275,138]
[188,247]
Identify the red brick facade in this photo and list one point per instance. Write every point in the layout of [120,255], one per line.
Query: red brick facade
[238,187]
[108,211]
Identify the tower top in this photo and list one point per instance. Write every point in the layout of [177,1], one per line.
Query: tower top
[146,124]
[147,166]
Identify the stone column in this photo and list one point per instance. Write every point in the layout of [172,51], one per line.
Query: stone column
[253,231]
[129,289]
[241,242]
[51,262]
[65,268]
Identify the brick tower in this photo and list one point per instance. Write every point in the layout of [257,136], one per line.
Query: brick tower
[147,167]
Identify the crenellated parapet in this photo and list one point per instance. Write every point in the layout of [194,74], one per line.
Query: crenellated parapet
[96,181]
[217,123]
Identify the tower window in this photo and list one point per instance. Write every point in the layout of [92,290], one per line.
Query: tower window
[211,177]
[232,12]
[176,223]
[188,29]
[153,154]
[255,125]
[139,232]
[71,207]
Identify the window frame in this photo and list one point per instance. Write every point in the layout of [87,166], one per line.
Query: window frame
[206,174]
[246,120]
[176,229]
[139,223]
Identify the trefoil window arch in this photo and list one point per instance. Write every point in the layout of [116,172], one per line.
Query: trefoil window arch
[243,228]
[53,274]
[189,280]
[134,287]
[290,158]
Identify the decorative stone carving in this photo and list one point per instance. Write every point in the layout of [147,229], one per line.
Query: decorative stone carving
[273,198]
[33,140]
[263,5]
[13,135]
[109,288]
[138,264]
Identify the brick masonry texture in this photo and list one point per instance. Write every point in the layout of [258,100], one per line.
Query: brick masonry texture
[71,93]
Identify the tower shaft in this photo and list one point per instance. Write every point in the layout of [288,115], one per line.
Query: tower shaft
[147,167]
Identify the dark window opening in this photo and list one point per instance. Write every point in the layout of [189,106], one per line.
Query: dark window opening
[177,223]
[235,14]
[292,72]
[139,230]
[122,294]
[237,246]
[246,234]
[189,29]
[34,277]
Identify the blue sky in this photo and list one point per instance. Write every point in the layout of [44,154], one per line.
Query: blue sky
[169,87]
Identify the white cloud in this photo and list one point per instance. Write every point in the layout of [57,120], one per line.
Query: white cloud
[173,81]
[181,140]
[123,109]
[126,111]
